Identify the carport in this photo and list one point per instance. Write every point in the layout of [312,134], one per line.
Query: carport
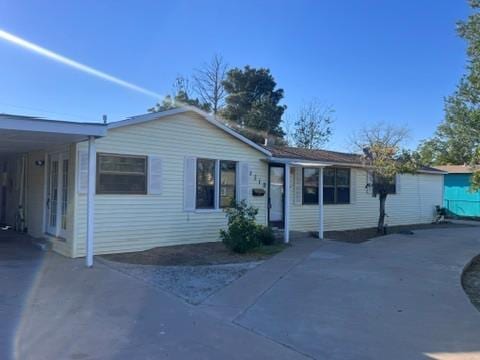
[22,135]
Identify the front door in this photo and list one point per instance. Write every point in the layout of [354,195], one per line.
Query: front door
[276,195]
[57,194]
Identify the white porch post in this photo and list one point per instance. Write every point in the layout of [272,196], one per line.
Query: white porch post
[92,168]
[320,204]
[286,227]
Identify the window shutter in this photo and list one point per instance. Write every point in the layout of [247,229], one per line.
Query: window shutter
[189,183]
[155,180]
[82,181]
[353,186]
[398,183]
[243,177]
[298,186]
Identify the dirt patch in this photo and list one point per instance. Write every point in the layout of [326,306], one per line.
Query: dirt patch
[471,282]
[361,235]
[212,253]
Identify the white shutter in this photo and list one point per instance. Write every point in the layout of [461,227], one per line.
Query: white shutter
[353,186]
[189,181]
[82,180]
[155,180]
[243,178]
[398,183]
[298,186]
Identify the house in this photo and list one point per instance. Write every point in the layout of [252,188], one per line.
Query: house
[458,199]
[164,178]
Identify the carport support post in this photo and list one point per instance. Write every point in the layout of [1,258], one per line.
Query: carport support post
[286,226]
[320,204]
[92,168]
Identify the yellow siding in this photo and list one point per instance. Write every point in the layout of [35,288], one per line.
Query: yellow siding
[415,203]
[35,199]
[136,222]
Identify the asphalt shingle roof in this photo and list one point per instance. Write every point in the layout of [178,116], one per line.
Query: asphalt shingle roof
[327,156]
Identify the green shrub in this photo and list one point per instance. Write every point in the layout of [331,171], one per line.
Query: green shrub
[265,235]
[241,234]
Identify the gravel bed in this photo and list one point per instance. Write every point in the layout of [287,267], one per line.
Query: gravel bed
[193,284]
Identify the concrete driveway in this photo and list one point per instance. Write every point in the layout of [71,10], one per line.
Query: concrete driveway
[398,297]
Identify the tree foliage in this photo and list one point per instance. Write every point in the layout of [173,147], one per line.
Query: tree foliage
[253,100]
[457,139]
[181,96]
[208,82]
[312,128]
[384,156]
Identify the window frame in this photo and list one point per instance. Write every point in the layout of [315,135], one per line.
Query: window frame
[217,184]
[303,186]
[235,185]
[393,185]
[335,187]
[98,191]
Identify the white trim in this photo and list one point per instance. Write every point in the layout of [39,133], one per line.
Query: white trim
[216,192]
[320,204]
[286,226]
[180,110]
[45,193]
[9,122]
[92,164]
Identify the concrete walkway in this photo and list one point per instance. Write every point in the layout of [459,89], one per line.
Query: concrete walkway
[396,297]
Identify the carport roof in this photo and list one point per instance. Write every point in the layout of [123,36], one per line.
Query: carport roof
[27,133]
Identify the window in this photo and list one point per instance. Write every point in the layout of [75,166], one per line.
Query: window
[336,186]
[121,174]
[227,182]
[390,185]
[310,186]
[206,183]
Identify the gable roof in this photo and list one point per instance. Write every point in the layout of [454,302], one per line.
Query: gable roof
[134,120]
[327,156]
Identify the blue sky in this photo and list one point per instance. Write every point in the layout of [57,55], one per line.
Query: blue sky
[372,61]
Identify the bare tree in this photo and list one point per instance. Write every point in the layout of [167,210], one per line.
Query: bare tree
[208,82]
[384,158]
[312,128]
[288,128]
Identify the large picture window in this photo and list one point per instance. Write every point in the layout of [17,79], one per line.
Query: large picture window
[227,182]
[121,174]
[310,186]
[205,184]
[336,186]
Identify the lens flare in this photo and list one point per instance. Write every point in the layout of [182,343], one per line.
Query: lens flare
[73,64]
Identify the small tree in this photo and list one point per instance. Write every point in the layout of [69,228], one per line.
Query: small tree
[383,155]
[312,128]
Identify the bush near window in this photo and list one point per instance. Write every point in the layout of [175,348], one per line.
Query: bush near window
[243,233]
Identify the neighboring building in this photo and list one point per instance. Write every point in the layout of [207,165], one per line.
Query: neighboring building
[163,179]
[458,199]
